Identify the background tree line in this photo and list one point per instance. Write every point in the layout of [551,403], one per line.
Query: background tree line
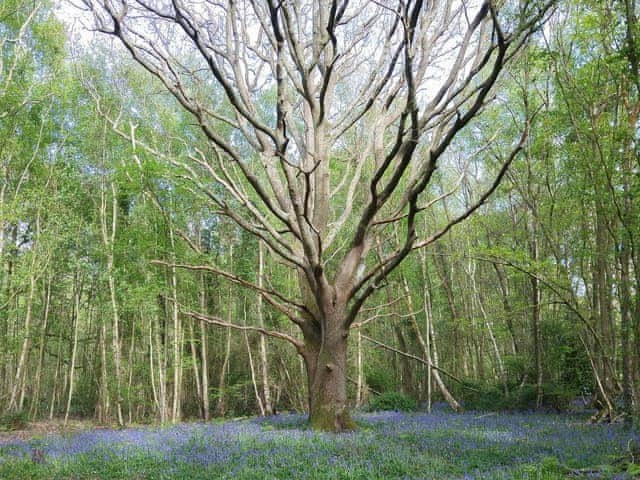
[532,302]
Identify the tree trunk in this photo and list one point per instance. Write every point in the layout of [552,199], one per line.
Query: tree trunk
[325,357]
[429,353]
[74,349]
[162,371]
[264,359]
[203,353]
[326,365]
[360,376]
[196,370]
[221,406]
[176,408]
[108,239]
[625,330]
[508,311]
[35,400]
[536,299]
[252,369]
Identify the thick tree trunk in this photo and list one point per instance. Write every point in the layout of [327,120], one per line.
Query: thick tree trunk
[325,356]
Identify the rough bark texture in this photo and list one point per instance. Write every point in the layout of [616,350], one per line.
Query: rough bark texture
[326,364]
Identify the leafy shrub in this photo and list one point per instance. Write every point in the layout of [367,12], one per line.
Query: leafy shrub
[515,365]
[14,421]
[380,380]
[483,397]
[558,397]
[397,401]
[490,397]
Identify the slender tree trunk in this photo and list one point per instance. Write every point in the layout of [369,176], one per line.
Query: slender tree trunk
[608,410]
[56,375]
[74,348]
[625,330]
[536,298]
[429,346]
[104,376]
[35,401]
[131,363]
[251,368]
[406,372]
[177,344]
[152,367]
[508,311]
[26,344]
[17,390]
[442,269]
[359,374]
[436,374]
[203,352]
[264,359]
[489,325]
[195,367]
[108,239]
[407,368]
[162,372]
[428,318]
[221,407]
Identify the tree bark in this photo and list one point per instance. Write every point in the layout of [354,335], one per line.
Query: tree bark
[35,400]
[74,347]
[176,407]
[108,238]
[536,298]
[429,350]
[264,359]
[252,369]
[203,353]
[325,357]
[360,377]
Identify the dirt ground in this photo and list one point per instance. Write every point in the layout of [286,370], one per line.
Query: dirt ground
[45,428]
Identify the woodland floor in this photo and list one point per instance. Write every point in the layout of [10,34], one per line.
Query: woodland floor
[388,445]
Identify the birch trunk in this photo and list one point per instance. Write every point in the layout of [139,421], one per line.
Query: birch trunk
[264,359]
[203,353]
[108,239]
[177,359]
[74,348]
[35,401]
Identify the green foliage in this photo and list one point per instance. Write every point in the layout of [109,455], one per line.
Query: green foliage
[11,421]
[558,397]
[396,401]
[380,379]
[491,397]
[633,469]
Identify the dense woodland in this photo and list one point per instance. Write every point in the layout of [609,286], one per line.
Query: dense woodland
[143,278]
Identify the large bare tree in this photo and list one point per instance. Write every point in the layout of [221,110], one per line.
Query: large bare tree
[335,114]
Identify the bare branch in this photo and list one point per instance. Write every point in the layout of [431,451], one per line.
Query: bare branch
[221,323]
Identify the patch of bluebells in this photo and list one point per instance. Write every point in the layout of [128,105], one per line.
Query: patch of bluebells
[388,445]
